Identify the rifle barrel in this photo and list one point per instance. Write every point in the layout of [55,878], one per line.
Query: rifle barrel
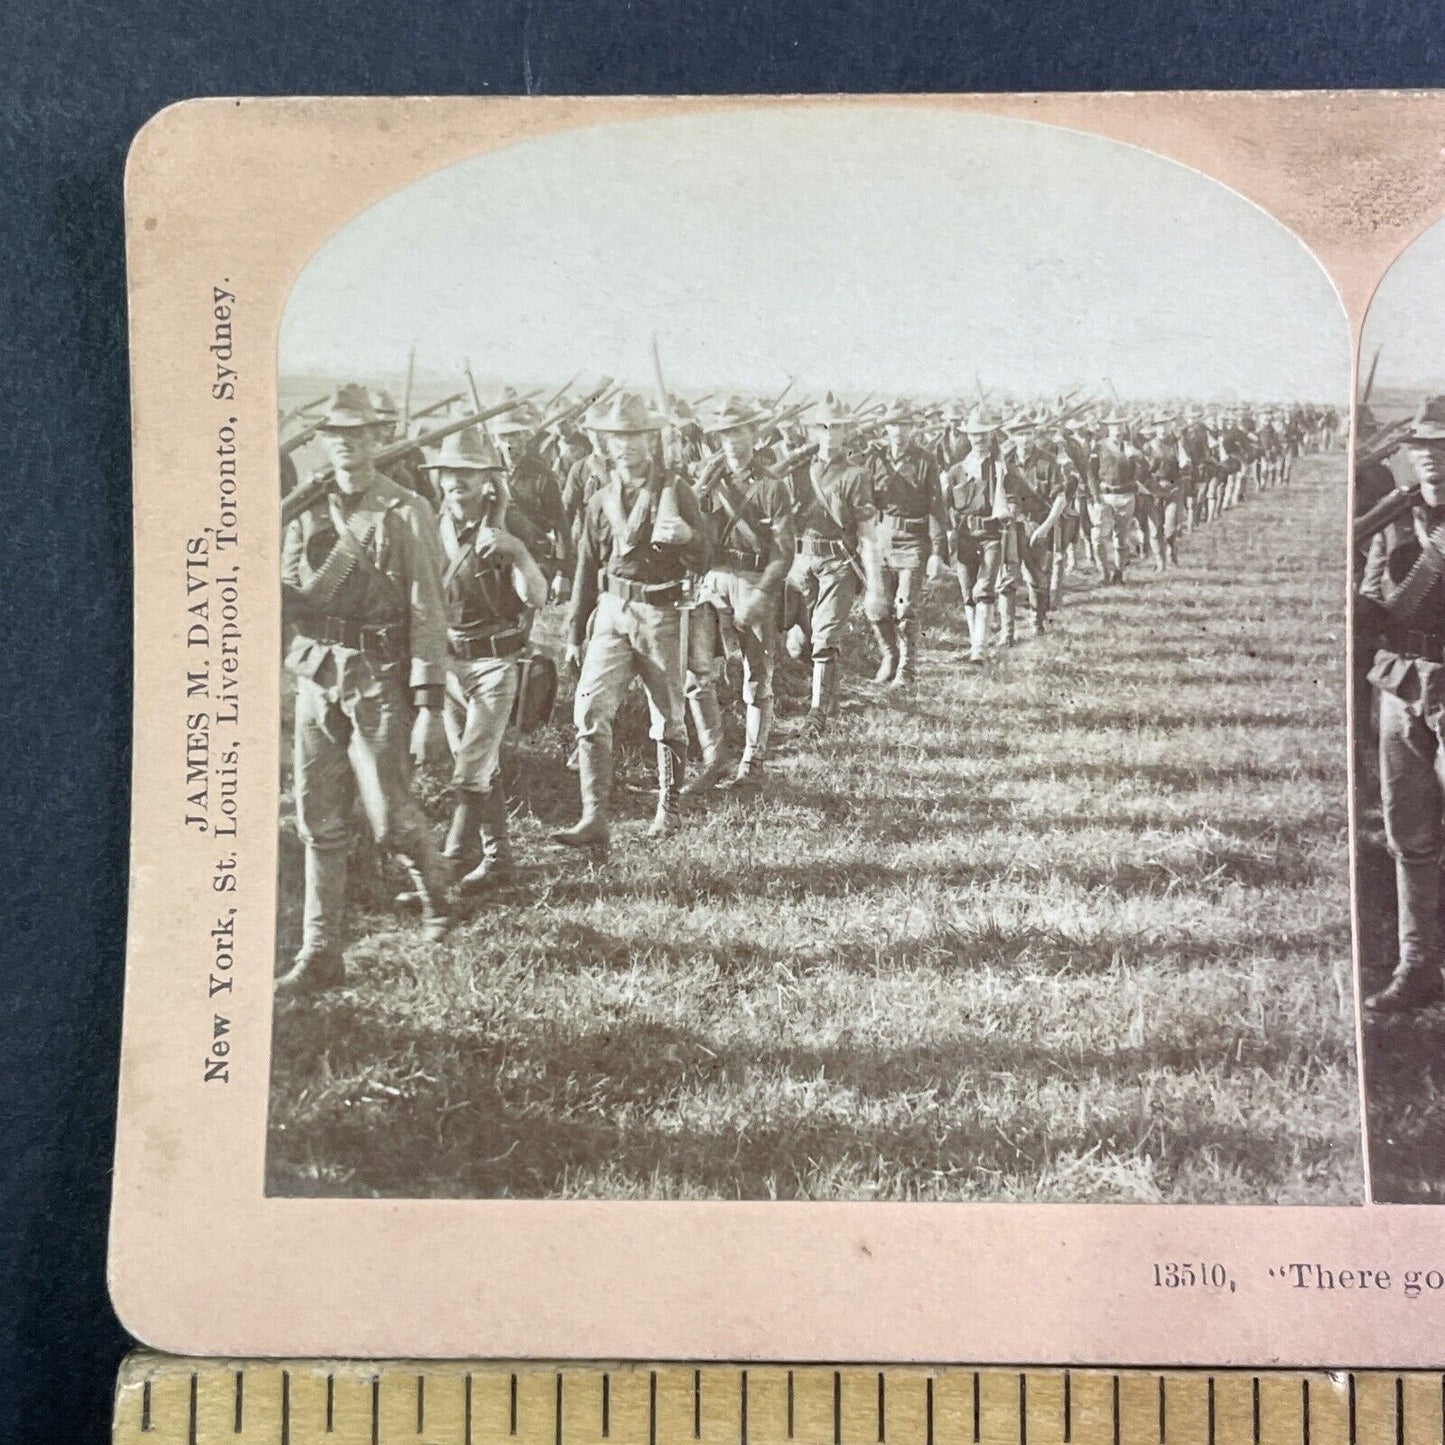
[437,406]
[301,497]
[1385,511]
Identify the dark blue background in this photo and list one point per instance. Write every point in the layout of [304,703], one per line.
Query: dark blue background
[76,81]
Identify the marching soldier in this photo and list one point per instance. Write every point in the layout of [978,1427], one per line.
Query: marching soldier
[642,538]
[912,530]
[1036,494]
[1161,490]
[1404,592]
[752,543]
[973,491]
[1113,487]
[361,584]
[407,470]
[493,585]
[1064,506]
[533,490]
[833,518]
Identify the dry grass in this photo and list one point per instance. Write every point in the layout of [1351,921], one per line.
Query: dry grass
[1076,929]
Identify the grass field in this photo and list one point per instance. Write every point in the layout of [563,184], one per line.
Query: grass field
[1073,929]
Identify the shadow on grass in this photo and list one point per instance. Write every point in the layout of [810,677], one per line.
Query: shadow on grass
[496,1134]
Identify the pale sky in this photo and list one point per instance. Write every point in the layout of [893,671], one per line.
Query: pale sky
[885,249]
[1406,319]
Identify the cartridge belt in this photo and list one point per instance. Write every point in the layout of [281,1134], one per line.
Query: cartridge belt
[914,526]
[496,644]
[745,561]
[384,641]
[812,546]
[1412,642]
[658,594]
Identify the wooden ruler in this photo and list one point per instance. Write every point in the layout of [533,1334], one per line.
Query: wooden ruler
[168,1400]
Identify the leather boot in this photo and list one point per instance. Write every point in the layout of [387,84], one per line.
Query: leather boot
[707,719]
[594,767]
[463,844]
[758,726]
[495,868]
[318,965]
[887,634]
[429,878]
[1006,619]
[313,971]
[1416,983]
[464,835]
[980,625]
[825,686]
[907,647]
[1039,600]
[1410,989]
[668,818]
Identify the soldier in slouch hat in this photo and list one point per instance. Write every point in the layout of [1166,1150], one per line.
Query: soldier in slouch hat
[362,586]
[1403,603]
[534,491]
[746,509]
[642,540]
[831,501]
[912,531]
[493,586]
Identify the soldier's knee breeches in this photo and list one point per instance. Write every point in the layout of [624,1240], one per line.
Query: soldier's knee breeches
[1410,790]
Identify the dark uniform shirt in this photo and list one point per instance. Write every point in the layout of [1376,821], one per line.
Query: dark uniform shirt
[395,584]
[536,494]
[1393,552]
[480,592]
[833,500]
[908,487]
[1116,471]
[747,513]
[603,554]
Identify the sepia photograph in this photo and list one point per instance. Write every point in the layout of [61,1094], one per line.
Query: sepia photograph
[1399,709]
[815,669]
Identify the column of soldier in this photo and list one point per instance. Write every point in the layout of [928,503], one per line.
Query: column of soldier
[732,527]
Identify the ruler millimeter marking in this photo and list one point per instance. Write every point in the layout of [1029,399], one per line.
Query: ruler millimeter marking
[168,1400]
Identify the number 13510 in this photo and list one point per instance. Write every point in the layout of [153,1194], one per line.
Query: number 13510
[1194,1275]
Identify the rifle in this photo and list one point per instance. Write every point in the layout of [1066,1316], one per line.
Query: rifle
[539,438]
[1382,443]
[664,395]
[299,440]
[437,406]
[777,401]
[295,442]
[471,382]
[296,411]
[1385,511]
[558,394]
[299,498]
[406,391]
[1370,380]
[778,422]
[788,463]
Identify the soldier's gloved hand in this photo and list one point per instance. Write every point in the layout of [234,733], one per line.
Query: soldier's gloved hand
[560,589]
[572,657]
[429,738]
[934,570]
